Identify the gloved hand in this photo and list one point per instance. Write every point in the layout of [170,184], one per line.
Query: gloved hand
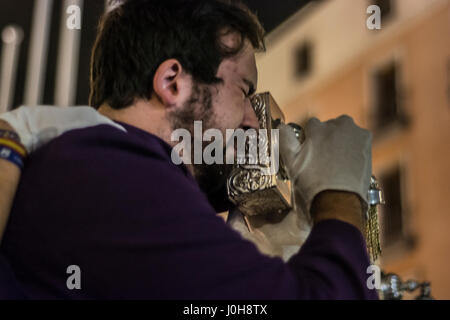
[335,155]
[38,125]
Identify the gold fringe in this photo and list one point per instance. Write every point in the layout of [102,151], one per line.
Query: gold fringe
[372,232]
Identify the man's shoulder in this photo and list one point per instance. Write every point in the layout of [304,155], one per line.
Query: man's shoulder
[128,170]
[103,153]
[104,140]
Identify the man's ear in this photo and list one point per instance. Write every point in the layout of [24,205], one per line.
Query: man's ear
[171,84]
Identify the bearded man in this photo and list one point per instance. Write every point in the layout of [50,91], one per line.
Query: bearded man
[104,196]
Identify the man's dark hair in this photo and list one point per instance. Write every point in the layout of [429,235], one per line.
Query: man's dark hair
[138,35]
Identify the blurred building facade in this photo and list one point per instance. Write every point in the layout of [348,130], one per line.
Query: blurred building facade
[324,62]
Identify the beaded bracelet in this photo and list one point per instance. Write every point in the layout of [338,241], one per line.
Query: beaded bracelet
[8,134]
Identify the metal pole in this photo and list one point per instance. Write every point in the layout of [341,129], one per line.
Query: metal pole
[12,37]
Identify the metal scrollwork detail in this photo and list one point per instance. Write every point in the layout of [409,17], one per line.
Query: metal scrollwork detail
[260,109]
[248,180]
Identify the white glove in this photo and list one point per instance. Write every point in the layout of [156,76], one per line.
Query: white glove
[335,155]
[38,125]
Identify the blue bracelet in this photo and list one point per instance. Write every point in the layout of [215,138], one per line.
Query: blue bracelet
[8,154]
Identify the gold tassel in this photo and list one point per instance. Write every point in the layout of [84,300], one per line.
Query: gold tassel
[372,227]
[372,231]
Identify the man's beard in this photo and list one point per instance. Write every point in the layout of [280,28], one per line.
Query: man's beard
[212,179]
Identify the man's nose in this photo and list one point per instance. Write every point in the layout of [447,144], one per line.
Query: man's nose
[250,119]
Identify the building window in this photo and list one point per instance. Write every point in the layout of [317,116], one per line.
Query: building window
[391,213]
[303,60]
[387,109]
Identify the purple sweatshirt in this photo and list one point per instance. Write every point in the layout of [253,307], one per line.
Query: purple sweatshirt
[138,227]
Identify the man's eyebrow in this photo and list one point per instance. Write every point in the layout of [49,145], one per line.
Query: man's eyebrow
[251,87]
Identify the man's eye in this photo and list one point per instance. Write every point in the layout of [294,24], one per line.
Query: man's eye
[246,95]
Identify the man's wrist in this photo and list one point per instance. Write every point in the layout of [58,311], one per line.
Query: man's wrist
[338,205]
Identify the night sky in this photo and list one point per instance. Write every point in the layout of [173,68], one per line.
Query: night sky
[273,12]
